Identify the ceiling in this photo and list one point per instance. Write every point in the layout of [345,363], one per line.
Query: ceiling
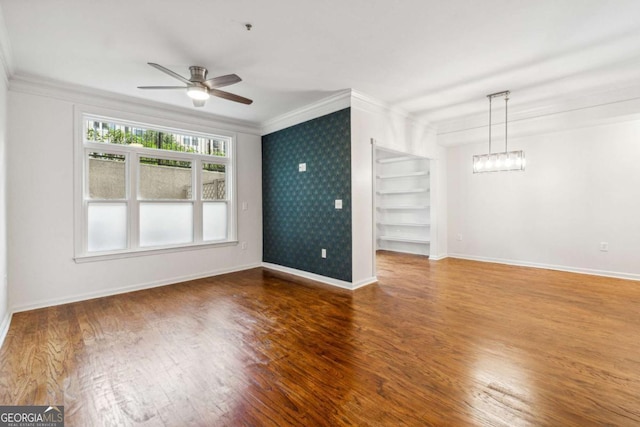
[434,59]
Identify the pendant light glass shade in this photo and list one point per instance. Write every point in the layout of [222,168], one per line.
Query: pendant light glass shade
[499,162]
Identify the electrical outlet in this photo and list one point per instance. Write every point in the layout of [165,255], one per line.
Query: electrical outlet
[243,246]
[324,253]
[302,167]
[459,238]
[604,246]
[338,203]
[245,206]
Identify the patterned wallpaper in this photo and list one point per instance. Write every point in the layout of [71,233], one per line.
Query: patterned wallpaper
[299,216]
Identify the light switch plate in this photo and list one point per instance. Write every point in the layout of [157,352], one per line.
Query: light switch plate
[339,204]
[302,167]
[324,253]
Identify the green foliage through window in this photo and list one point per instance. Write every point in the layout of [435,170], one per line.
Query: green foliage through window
[112,133]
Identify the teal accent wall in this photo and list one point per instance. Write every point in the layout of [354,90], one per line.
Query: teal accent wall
[299,215]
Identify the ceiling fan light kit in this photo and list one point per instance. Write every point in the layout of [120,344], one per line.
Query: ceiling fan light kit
[198,87]
[197,92]
[503,161]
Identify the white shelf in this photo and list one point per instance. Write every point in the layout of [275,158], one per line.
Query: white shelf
[402,175]
[406,207]
[405,224]
[396,159]
[402,203]
[407,191]
[403,239]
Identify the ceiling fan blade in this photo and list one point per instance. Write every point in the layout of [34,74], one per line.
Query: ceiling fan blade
[222,81]
[230,96]
[169,72]
[162,87]
[198,102]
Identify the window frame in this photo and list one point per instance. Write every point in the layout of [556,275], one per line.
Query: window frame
[132,199]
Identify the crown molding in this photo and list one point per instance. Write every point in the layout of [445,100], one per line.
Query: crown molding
[370,104]
[6,56]
[338,101]
[73,93]
[598,108]
[322,107]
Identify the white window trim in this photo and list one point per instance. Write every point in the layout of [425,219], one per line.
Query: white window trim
[132,154]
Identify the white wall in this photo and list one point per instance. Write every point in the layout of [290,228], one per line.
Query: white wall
[41,210]
[4,310]
[396,132]
[581,187]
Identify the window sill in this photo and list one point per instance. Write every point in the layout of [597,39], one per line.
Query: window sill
[80,259]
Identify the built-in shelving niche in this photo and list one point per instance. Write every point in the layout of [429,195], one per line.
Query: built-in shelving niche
[403,214]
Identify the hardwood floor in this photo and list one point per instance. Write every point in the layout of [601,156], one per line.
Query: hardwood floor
[446,343]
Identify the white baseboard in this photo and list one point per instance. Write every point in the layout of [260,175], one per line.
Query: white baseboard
[317,277]
[4,326]
[604,273]
[365,282]
[438,257]
[125,289]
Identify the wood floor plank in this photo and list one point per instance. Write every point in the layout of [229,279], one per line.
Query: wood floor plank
[446,343]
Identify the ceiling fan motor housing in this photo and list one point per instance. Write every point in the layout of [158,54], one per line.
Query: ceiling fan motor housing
[198,74]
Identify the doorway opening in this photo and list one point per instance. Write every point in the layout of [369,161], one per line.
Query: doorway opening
[402,204]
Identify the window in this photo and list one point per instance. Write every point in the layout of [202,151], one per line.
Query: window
[149,188]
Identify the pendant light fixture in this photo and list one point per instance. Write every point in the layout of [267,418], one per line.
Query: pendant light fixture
[502,161]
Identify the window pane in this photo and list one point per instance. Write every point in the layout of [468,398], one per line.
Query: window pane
[166,223]
[213,182]
[164,179]
[107,176]
[122,134]
[214,221]
[107,226]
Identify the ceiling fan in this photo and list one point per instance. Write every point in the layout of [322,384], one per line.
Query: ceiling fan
[199,88]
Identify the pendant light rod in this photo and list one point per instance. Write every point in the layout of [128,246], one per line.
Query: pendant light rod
[506,108]
[505,94]
[490,98]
